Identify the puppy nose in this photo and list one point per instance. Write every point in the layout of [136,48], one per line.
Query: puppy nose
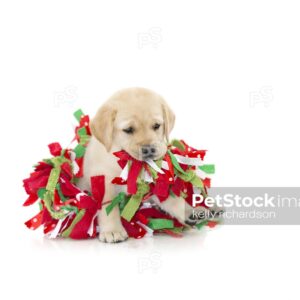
[148,150]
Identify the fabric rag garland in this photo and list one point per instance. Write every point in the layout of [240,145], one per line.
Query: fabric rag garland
[181,172]
[67,211]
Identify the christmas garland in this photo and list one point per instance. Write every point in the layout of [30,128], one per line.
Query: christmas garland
[67,211]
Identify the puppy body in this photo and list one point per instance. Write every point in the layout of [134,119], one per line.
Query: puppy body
[134,120]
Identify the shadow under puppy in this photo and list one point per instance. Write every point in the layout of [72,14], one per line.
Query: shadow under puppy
[138,121]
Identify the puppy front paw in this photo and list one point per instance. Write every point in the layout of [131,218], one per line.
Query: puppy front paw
[113,236]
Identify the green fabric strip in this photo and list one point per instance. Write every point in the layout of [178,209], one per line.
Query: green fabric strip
[119,198]
[177,144]
[57,161]
[83,136]
[48,161]
[131,207]
[190,176]
[156,224]
[177,229]
[123,203]
[175,162]
[82,131]
[84,139]
[159,163]
[78,217]
[70,208]
[202,224]
[183,194]
[41,192]
[79,150]
[53,179]
[134,202]
[78,114]
[208,169]
[48,201]
[61,195]
[153,173]
[172,194]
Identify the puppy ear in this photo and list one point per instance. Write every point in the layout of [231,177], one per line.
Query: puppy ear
[169,119]
[102,125]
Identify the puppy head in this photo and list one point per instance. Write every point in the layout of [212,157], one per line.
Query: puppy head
[136,120]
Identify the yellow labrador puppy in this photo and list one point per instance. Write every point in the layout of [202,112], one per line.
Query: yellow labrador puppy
[138,121]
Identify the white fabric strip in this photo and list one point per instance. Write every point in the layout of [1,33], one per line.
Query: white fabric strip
[68,216]
[153,165]
[72,155]
[147,177]
[74,163]
[192,161]
[148,229]
[146,205]
[124,173]
[79,195]
[53,234]
[164,165]
[74,143]
[91,228]
[75,167]
[200,173]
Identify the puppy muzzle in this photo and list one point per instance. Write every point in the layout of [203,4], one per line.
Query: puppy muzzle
[148,152]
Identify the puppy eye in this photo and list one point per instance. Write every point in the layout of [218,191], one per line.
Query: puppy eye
[156,126]
[129,130]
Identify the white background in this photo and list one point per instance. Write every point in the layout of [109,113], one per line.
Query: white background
[230,71]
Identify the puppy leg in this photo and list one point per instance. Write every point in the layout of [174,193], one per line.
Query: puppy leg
[111,228]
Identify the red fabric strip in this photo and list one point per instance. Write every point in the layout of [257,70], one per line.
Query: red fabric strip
[206,182]
[98,189]
[172,233]
[80,230]
[36,221]
[132,176]
[55,149]
[133,229]
[171,168]
[31,199]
